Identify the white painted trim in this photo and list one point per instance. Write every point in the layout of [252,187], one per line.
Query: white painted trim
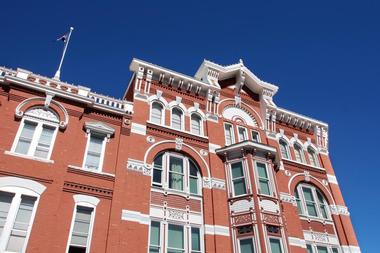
[31,185]
[134,216]
[6,152]
[138,128]
[182,118]
[212,147]
[163,110]
[89,201]
[216,230]
[297,242]
[332,179]
[102,154]
[351,249]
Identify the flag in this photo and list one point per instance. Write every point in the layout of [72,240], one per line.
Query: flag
[64,37]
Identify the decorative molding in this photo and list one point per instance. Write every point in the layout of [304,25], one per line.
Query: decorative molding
[176,214]
[150,139]
[317,237]
[178,144]
[138,128]
[297,242]
[203,152]
[217,230]
[99,127]
[134,216]
[332,179]
[42,113]
[139,166]
[74,187]
[214,183]
[212,147]
[22,183]
[339,210]
[288,198]
[79,198]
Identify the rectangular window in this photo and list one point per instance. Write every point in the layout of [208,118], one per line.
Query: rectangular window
[298,201]
[309,248]
[21,224]
[176,174]
[26,137]
[275,245]
[156,113]
[80,234]
[193,177]
[229,134]
[94,152]
[157,171]
[243,135]
[238,179]
[263,178]
[246,245]
[5,204]
[255,136]
[43,145]
[322,205]
[176,242]
[195,240]
[154,244]
[310,202]
[322,249]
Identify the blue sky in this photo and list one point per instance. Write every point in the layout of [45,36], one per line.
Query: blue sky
[324,56]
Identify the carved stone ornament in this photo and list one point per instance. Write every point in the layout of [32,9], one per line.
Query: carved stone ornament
[176,214]
[287,173]
[178,144]
[150,139]
[307,176]
[42,114]
[203,152]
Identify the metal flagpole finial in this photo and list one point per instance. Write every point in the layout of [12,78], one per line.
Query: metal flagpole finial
[65,38]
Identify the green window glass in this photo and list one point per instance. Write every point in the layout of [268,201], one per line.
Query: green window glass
[246,246]
[284,149]
[334,250]
[176,173]
[310,202]
[309,248]
[322,205]
[154,245]
[176,239]
[275,245]
[193,178]
[238,179]
[298,200]
[322,249]
[157,170]
[264,186]
[195,240]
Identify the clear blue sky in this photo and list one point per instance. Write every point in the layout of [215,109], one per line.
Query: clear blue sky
[324,56]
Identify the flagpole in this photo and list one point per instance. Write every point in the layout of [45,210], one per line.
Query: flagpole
[58,73]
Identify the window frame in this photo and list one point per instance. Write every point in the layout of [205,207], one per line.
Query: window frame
[286,146]
[12,213]
[313,154]
[280,239]
[317,203]
[35,137]
[102,154]
[245,177]
[250,237]
[162,121]
[257,134]
[298,147]
[232,132]
[245,133]
[201,131]
[269,179]
[182,128]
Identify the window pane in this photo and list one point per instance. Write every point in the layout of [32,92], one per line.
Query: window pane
[155,234]
[275,245]
[298,153]
[335,250]
[193,185]
[228,134]
[94,152]
[157,113]
[255,136]
[308,194]
[26,137]
[176,238]
[5,203]
[284,150]
[322,249]
[195,124]
[195,239]
[246,246]
[157,170]
[239,187]
[264,187]
[176,173]
[242,134]
[44,142]
[309,248]
[237,170]
[312,157]
[298,200]
[21,224]
[96,143]
[311,210]
[81,226]
[177,118]
[262,170]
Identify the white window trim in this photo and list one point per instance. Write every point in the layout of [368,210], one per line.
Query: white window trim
[270,178]
[35,138]
[246,177]
[315,155]
[162,114]
[286,148]
[186,174]
[277,238]
[85,201]
[302,153]
[101,159]
[233,141]
[258,136]
[245,133]
[316,200]
[328,246]
[200,122]
[252,237]
[13,209]
[182,118]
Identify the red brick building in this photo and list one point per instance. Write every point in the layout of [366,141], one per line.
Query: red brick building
[179,165]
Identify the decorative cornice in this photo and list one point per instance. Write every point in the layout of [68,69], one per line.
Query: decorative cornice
[288,198]
[139,166]
[214,183]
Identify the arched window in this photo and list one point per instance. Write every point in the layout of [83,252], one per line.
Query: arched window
[175,171]
[157,113]
[196,124]
[311,202]
[177,116]
[36,134]
[284,149]
[298,153]
[313,157]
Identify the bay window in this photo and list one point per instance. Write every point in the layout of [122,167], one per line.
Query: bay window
[246,245]
[264,184]
[275,245]
[238,179]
